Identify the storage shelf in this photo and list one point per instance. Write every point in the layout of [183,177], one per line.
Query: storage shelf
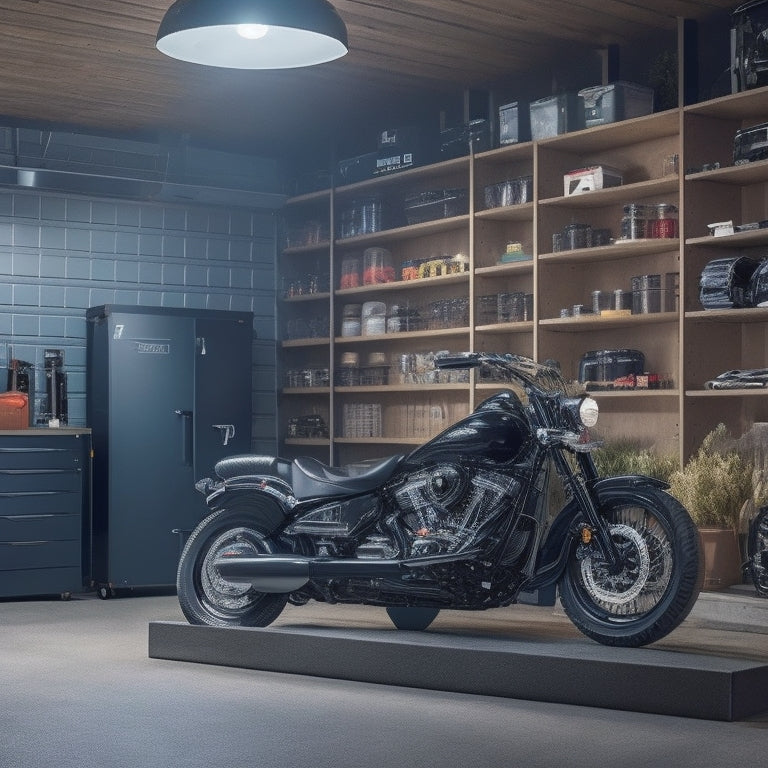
[626,193]
[520,326]
[381,440]
[748,315]
[406,178]
[304,297]
[624,249]
[521,212]
[299,250]
[763,392]
[306,391]
[746,239]
[287,343]
[394,388]
[637,145]
[511,268]
[616,135]
[407,232]
[407,335]
[750,173]
[739,106]
[593,322]
[398,285]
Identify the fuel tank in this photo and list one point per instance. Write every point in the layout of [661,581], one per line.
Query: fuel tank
[497,431]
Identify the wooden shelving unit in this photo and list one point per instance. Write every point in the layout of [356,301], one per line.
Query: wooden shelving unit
[684,343]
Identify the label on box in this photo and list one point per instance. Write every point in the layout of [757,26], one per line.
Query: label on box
[589,179]
[393,163]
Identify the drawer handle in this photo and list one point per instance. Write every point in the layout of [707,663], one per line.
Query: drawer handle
[25,543]
[21,518]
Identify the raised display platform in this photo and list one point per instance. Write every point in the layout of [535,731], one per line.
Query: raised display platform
[550,670]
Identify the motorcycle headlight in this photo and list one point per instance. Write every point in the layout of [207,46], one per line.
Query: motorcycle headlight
[588,412]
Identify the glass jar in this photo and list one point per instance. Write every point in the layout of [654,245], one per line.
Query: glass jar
[377,266]
[663,221]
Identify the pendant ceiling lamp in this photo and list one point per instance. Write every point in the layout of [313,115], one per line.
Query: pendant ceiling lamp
[253,34]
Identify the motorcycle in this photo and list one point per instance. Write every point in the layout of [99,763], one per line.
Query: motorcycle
[757,551]
[505,501]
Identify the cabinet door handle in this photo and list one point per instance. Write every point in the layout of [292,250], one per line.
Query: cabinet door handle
[187,437]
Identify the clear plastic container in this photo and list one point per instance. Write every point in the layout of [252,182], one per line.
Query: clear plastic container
[377,266]
[350,273]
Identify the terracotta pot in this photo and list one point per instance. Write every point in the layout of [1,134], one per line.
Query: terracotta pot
[722,558]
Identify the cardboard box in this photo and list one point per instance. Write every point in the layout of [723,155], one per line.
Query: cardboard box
[589,179]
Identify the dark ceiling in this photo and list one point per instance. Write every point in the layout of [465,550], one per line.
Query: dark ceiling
[93,63]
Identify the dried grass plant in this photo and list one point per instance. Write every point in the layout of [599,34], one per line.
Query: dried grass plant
[715,483]
[627,457]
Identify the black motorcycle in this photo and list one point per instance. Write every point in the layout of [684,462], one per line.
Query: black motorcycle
[469,521]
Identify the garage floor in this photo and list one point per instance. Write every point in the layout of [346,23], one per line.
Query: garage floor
[78,689]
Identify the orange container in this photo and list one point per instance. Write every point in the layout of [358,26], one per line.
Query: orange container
[14,410]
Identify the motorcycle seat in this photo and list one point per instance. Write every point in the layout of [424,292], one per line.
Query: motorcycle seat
[248,464]
[312,479]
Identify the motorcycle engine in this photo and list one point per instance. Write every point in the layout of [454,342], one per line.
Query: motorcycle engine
[443,507]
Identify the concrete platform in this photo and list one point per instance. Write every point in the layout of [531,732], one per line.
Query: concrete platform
[538,656]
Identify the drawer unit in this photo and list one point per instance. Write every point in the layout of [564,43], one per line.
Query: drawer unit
[44,500]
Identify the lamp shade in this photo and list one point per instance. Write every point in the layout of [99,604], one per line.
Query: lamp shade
[253,34]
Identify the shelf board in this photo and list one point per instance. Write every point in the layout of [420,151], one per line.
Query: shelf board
[521,212]
[319,195]
[737,239]
[403,335]
[409,231]
[633,393]
[409,176]
[306,342]
[625,193]
[520,326]
[619,250]
[763,392]
[753,103]
[306,297]
[747,315]
[321,441]
[396,285]
[505,154]
[384,388]
[512,267]
[594,322]
[306,391]
[620,134]
[381,440]
[298,250]
[749,173]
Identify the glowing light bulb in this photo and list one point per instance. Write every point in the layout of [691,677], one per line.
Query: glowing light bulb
[252,31]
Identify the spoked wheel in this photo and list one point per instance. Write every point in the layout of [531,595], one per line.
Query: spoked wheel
[413,618]
[658,584]
[207,598]
[757,550]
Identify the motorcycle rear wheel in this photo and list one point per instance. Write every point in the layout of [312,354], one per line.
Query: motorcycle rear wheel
[660,581]
[204,596]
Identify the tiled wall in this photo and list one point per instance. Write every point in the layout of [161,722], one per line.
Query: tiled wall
[60,254]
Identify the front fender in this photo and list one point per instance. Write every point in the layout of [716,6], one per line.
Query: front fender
[554,552]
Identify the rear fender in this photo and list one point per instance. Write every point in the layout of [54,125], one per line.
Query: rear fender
[269,499]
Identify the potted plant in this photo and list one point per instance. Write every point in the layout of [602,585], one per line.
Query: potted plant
[713,486]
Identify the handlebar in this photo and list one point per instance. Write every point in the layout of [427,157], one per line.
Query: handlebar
[540,376]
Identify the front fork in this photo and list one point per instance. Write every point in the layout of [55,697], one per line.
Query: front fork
[581,484]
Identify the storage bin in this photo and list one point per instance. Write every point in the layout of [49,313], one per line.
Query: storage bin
[617,101]
[554,115]
[436,204]
[377,266]
[514,122]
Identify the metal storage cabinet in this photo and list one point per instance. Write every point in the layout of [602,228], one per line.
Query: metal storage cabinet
[44,484]
[169,394]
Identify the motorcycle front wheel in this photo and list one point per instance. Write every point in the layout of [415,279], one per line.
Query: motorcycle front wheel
[204,596]
[658,584]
